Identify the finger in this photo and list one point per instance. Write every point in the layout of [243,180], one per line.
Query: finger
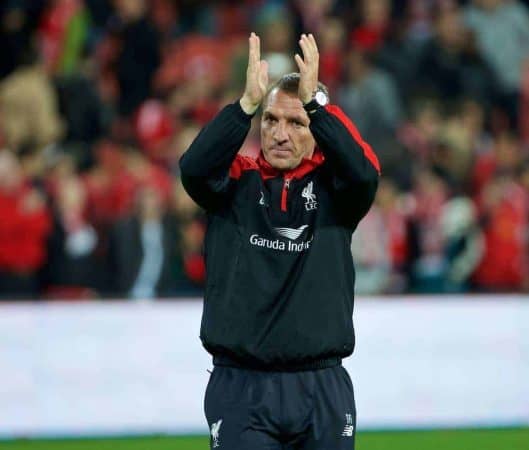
[305,49]
[253,56]
[312,41]
[299,61]
[250,50]
[312,48]
[257,48]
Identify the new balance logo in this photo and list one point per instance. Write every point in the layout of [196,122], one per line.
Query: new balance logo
[290,233]
[349,427]
[215,428]
[348,431]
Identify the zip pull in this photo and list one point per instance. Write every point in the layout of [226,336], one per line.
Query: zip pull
[284,193]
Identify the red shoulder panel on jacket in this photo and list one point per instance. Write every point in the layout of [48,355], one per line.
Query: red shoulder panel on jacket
[241,164]
[368,151]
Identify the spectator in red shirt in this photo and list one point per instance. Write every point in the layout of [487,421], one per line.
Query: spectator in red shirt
[24,227]
[504,210]
[504,157]
[332,37]
[370,34]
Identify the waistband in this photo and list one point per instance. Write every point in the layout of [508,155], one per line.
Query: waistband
[222,360]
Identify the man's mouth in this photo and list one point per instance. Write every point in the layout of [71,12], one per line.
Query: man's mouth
[281,150]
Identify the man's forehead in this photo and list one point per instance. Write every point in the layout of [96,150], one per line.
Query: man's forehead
[284,103]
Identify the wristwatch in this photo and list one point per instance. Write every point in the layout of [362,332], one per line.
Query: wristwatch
[318,100]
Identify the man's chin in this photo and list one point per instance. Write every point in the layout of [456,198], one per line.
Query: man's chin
[281,164]
[282,161]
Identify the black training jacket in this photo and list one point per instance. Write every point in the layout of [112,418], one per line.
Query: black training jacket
[280,275]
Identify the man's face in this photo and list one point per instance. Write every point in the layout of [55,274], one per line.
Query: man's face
[285,135]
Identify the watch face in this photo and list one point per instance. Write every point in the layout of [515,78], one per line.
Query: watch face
[321,98]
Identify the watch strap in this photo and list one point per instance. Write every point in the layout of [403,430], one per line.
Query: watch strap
[311,106]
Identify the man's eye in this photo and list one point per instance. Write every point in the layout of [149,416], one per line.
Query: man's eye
[271,119]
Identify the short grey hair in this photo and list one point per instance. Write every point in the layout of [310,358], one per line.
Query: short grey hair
[289,83]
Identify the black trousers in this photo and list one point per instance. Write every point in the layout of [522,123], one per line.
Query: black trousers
[257,410]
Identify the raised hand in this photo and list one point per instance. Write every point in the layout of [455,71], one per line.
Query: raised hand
[308,67]
[256,77]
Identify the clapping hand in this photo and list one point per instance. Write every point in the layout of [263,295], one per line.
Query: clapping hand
[257,73]
[308,67]
[256,78]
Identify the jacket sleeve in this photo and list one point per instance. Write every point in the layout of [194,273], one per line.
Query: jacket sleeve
[354,165]
[205,165]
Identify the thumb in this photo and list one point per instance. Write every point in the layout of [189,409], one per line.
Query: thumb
[300,62]
[263,66]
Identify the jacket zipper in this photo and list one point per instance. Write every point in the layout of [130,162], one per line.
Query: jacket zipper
[284,193]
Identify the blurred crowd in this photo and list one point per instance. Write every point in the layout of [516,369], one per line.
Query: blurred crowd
[99,99]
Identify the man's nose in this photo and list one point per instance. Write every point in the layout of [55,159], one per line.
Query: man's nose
[281,134]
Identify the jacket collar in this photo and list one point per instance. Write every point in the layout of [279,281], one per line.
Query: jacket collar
[306,166]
